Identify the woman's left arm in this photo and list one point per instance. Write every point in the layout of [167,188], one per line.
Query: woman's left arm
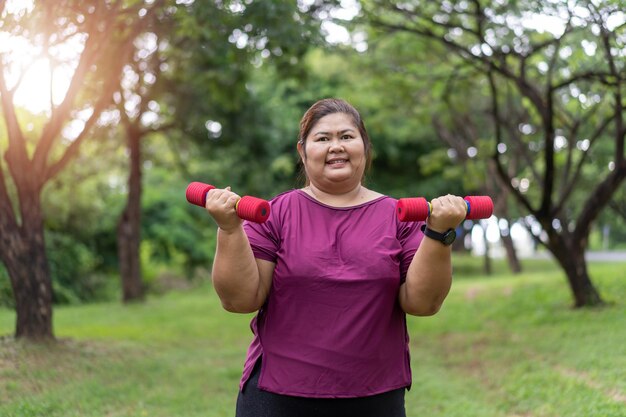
[429,276]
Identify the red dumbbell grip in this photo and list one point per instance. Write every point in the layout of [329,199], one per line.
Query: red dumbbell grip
[413,209]
[248,208]
[478,207]
[254,209]
[418,209]
[196,193]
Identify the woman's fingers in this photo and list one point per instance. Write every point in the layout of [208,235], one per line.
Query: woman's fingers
[447,212]
[221,204]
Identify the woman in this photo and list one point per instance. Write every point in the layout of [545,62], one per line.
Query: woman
[332,274]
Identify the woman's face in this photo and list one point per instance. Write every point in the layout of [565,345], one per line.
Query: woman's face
[335,153]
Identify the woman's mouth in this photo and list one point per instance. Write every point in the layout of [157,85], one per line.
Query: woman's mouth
[336,162]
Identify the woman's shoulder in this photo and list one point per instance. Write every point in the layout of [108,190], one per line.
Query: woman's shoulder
[284,197]
[282,203]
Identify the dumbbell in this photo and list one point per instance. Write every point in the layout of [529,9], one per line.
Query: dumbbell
[248,208]
[418,209]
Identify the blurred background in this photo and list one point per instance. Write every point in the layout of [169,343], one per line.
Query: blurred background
[110,108]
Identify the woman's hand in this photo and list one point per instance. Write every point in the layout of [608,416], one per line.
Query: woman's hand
[446,212]
[221,203]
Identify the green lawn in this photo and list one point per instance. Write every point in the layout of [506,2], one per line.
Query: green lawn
[501,346]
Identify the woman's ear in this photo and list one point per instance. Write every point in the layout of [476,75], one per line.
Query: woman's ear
[300,147]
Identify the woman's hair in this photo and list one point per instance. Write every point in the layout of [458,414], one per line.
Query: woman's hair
[328,106]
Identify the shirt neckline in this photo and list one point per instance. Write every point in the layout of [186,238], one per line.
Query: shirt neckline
[314,200]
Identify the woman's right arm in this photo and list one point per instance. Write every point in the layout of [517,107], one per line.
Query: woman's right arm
[241,281]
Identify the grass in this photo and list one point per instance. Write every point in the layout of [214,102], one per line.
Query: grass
[502,346]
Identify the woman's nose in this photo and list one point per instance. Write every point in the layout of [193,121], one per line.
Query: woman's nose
[335,145]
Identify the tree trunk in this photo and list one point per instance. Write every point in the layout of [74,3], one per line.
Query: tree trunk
[487,258]
[572,260]
[23,253]
[501,210]
[129,227]
[511,253]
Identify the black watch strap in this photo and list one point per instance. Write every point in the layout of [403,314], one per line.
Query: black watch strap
[445,238]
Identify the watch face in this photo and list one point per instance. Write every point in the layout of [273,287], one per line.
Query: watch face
[449,237]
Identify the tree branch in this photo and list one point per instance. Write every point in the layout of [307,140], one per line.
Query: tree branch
[123,55]
[603,77]
[60,114]
[7,214]
[504,177]
[72,150]
[16,154]
[571,184]
[599,198]
[620,129]
[511,121]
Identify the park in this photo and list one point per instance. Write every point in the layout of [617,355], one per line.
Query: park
[115,115]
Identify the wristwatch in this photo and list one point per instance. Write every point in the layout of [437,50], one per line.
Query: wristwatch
[446,237]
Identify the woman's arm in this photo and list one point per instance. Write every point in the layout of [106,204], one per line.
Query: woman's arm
[429,276]
[241,281]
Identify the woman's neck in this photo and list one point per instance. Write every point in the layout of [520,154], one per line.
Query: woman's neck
[350,197]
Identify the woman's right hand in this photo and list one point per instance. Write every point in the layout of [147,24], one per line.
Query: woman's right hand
[221,203]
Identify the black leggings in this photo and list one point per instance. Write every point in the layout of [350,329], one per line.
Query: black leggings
[253,402]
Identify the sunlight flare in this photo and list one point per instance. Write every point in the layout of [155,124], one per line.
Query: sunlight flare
[38,72]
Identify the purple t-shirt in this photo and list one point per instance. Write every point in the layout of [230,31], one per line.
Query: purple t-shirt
[332,326]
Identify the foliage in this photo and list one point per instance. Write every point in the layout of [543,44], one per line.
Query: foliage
[6,292]
[229,82]
[73,269]
[546,116]
[194,72]
[397,86]
[179,235]
[79,209]
[565,69]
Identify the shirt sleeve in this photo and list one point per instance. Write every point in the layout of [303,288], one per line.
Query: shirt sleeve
[410,236]
[264,238]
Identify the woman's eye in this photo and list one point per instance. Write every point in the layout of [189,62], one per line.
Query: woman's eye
[322,139]
[346,137]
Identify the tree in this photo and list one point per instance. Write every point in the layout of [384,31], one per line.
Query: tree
[463,136]
[98,37]
[139,113]
[566,84]
[190,70]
